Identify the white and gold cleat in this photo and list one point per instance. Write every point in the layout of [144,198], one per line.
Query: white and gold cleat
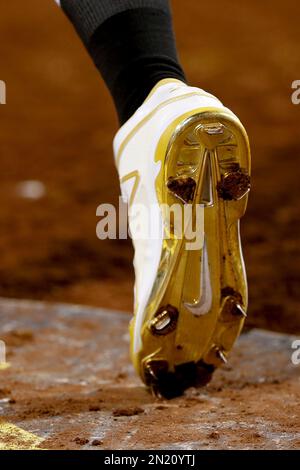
[182,146]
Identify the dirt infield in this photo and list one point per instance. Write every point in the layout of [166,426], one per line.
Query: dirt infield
[57,128]
[70,386]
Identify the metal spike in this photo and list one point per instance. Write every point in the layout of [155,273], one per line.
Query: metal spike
[214,129]
[239,311]
[232,308]
[220,355]
[154,369]
[164,321]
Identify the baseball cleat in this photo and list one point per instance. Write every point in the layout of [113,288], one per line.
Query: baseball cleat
[183,147]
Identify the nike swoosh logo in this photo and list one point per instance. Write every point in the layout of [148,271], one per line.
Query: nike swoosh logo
[203,305]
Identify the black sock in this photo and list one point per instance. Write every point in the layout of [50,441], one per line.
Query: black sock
[132,44]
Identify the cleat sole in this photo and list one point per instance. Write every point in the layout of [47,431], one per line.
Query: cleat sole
[199,301]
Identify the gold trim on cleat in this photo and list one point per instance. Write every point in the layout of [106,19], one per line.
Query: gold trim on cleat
[136,175]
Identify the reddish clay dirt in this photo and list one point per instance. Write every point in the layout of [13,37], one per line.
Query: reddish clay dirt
[69,385]
[57,128]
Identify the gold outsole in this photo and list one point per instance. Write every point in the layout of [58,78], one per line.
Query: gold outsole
[199,300]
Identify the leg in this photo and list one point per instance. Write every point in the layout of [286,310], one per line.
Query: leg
[181,146]
[131,43]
